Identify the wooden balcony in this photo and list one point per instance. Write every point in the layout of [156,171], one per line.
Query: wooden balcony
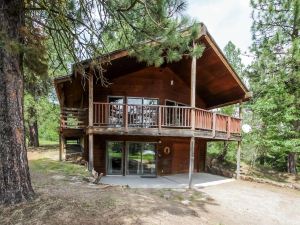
[161,120]
[153,120]
[73,121]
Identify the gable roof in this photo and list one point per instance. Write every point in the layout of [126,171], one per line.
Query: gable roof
[217,82]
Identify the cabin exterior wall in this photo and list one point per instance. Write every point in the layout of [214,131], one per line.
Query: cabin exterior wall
[150,82]
[177,161]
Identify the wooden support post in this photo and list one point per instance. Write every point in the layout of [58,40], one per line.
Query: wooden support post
[91,122]
[126,117]
[214,124]
[159,119]
[193,105]
[238,161]
[228,126]
[238,154]
[61,147]
[91,152]
[192,156]
[193,91]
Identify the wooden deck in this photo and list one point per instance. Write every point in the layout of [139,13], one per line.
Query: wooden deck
[153,120]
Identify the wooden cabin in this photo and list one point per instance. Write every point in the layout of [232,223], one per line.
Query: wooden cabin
[150,121]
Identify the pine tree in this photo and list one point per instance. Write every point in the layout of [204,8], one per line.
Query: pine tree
[275,81]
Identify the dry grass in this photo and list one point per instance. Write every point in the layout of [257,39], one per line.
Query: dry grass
[49,166]
[63,196]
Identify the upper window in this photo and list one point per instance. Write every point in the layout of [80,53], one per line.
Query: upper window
[142,101]
[133,100]
[174,103]
[116,100]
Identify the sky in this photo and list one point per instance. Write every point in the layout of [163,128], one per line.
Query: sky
[226,20]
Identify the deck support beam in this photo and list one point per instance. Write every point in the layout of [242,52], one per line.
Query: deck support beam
[238,161]
[192,157]
[91,152]
[61,147]
[91,122]
[238,153]
[193,105]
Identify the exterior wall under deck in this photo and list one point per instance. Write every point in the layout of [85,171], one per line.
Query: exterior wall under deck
[177,161]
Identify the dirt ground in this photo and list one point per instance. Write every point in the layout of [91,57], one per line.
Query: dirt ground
[242,202]
[50,152]
[65,197]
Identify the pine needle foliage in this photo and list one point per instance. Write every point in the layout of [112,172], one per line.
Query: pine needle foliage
[275,79]
[85,29]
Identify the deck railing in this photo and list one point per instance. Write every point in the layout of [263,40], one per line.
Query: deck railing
[73,118]
[150,116]
[161,116]
[203,119]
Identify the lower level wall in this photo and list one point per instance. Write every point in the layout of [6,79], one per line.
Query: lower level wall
[176,161]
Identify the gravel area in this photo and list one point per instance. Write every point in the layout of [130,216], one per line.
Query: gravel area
[242,202]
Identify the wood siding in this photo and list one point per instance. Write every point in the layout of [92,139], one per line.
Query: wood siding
[149,82]
[177,161]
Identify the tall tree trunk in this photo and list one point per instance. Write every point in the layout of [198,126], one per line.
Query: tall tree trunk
[33,128]
[33,134]
[15,183]
[292,163]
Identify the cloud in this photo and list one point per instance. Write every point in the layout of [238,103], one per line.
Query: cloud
[226,20]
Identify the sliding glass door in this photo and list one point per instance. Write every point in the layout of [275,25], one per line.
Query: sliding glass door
[141,158]
[149,159]
[114,157]
[140,112]
[134,158]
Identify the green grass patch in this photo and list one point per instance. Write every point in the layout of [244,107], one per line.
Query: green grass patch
[57,167]
[44,142]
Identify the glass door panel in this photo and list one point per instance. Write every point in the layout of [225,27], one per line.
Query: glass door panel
[134,158]
[135,101]
[140,112]
[114,160]
[170,113]
[150,112]
[115,111]
[150,101]
[141,158]
[116,100]
[149,159]
[135,112]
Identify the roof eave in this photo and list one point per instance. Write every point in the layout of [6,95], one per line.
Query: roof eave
[204,32]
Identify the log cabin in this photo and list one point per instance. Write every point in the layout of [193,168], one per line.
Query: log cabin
[150,121]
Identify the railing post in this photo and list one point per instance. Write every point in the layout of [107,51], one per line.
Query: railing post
[126,118]
[91,122]
[214,124]
[228,126]
[62,125]
[61,146]
[159,119]
[193,105]
[192,160]
[91,100]
[193,118]
[238,153]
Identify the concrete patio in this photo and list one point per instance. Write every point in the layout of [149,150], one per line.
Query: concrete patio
[171,181]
